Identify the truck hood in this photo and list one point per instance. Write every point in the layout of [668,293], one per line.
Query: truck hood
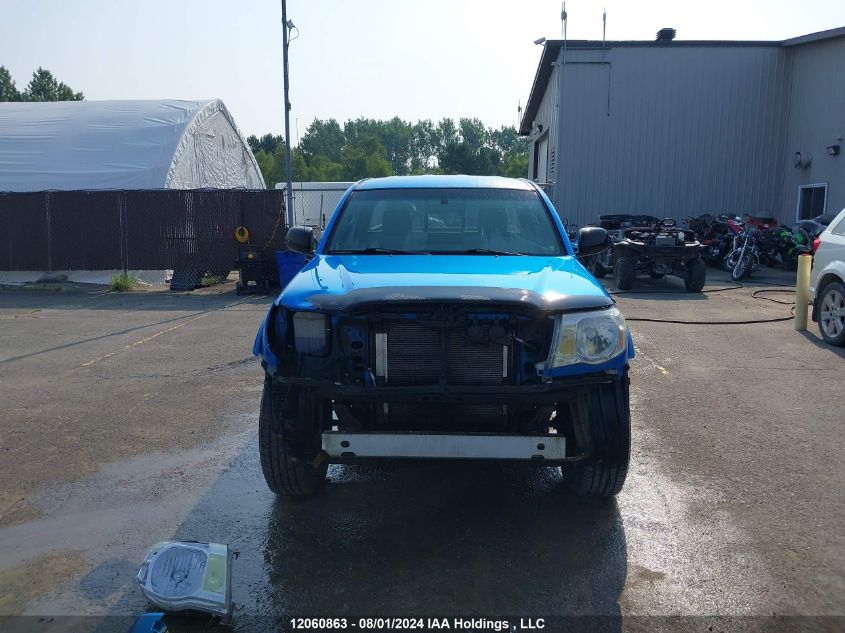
[344,283]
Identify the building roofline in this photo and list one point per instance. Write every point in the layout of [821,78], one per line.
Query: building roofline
[551,49]
[590,44]
[815,37]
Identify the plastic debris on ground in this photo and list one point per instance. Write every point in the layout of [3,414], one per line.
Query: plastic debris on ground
[188,575]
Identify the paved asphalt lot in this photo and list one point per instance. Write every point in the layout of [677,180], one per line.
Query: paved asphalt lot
[129,419]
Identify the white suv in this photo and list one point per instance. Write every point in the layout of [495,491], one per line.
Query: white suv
[827,282]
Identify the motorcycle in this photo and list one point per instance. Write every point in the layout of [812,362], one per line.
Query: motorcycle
[716,236]
[744,257]
[783,246]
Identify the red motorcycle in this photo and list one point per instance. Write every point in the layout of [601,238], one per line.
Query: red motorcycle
[716,236]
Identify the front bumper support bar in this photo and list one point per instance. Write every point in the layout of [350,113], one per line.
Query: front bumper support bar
[341,445]
[549,392]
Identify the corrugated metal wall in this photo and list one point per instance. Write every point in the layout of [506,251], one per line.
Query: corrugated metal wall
[816,120]
[671,132]
[548,118]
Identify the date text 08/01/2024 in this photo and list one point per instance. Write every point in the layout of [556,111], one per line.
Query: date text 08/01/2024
[457,623]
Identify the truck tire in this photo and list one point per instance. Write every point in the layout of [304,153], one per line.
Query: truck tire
[609,426]
[696,276]
[624,272]
[291,467]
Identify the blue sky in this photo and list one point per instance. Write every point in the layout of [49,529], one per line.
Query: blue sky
[411,58]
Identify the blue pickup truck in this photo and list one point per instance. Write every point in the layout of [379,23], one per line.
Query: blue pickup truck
[445,317]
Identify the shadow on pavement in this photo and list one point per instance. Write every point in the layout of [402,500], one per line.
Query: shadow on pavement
[820,343]
[672,288]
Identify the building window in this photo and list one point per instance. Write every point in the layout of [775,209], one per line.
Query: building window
[811,200]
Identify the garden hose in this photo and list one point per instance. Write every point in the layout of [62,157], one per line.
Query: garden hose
[757,294]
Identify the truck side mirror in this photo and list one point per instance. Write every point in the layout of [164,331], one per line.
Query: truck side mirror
[593,240]
[301,239]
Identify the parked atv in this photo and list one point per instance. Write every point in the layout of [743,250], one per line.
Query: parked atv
[658,250]
[602,263]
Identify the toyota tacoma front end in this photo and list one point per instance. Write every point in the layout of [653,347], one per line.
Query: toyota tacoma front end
[444,317]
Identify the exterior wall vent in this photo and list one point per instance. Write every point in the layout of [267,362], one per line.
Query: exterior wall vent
[666,35]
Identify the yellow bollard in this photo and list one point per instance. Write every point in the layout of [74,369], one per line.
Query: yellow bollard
[802,291]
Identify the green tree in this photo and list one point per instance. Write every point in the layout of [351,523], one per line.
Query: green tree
[474,133]
[467,149]
[366,159]
[397,135]
[279,173]
[323,169]
[323,138]
[423,146]
[8,90]
[44,87]
[373,147]
[269,143]
[515,166]
[267,165]
[514,150]
[445,133]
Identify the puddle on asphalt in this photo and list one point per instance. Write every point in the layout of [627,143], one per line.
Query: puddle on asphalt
[112,517]
[404,538]
[686,556]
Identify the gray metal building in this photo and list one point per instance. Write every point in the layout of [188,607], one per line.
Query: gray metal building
[676,128]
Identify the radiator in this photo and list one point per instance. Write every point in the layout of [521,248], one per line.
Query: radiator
[419,355]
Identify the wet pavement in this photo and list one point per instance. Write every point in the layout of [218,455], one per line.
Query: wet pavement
[734,505]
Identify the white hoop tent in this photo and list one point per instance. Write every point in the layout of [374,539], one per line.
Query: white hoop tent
[168,144]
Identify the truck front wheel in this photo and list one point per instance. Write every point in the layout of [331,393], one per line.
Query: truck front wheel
[604,421]
[289,432]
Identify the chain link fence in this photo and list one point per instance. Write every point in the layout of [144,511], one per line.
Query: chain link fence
[191,232]
[314,202]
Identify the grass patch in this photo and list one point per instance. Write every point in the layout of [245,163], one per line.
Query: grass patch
[124,282]
[36,578]
[210,280]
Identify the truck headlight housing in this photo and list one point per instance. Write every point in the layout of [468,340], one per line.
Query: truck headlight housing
[311,333]
[588,337]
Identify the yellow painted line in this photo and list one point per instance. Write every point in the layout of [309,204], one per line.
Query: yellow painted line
[653,362]
[161,332]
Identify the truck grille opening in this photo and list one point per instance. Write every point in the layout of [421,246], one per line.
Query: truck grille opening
[420,355]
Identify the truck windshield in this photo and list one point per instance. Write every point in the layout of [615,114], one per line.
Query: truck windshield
[445,221]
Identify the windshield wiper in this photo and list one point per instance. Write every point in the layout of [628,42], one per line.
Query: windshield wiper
[375,250]
[486,251]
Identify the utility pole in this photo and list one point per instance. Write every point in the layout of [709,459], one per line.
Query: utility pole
[563,21]
[288,169]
